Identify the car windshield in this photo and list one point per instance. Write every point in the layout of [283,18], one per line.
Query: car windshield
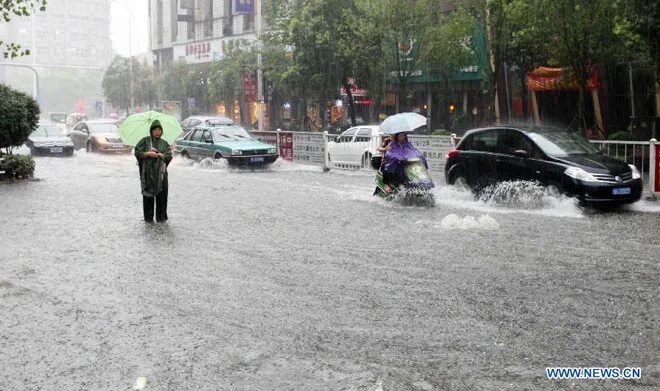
[562,143]
[231,133]
[47,131]
[103,128]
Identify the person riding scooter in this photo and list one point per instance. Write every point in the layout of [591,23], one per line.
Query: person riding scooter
[399,151]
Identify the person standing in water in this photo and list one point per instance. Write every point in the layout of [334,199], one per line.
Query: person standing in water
[154,155]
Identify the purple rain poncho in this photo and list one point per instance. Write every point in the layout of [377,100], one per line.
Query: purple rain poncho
[400,153]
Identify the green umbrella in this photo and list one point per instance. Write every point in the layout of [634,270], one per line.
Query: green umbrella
[136,127]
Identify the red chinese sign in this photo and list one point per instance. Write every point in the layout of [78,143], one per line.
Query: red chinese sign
[198,48]
[286,145]
[250,87]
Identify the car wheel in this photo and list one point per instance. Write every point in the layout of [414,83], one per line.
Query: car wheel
[460,181]
[366,160]
[184,155]
[217,156]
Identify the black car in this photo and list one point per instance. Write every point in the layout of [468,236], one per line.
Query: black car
[562,160]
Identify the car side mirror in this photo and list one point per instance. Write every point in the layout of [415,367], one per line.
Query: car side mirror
[520,153]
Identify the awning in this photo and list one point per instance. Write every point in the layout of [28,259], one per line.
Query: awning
[558,79]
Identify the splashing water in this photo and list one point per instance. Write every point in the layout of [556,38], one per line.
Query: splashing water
[453,221]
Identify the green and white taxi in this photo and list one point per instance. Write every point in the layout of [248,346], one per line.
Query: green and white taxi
[229,142]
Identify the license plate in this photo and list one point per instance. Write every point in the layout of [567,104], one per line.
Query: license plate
[56,150]
[257,159]
[621,191]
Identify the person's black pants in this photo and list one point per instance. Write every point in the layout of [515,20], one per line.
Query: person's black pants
[161,206]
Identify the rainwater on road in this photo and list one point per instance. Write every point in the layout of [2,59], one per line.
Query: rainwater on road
[295,279]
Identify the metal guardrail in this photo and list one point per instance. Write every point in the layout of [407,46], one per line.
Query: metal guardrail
[631,152]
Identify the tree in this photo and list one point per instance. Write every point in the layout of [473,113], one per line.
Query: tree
[116,83]
[329,43]
[588,32]
[401,21]
[19,115]
[226,76]
[448,45]
[11,8]
[181,81]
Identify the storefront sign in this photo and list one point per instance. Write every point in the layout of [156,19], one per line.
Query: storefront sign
[199,52]
[250,87]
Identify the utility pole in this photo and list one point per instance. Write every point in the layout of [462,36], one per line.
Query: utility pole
[260,87]
[130,54]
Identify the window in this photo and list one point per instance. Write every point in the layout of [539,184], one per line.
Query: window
[364,134]
[347,136]
[197,136]
[510,141]
[485,141]
[207,136]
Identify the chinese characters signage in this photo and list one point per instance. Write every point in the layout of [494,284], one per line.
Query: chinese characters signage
[250,87]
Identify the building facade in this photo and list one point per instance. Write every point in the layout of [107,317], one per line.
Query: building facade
[70,47]
[197,31]
[68,33]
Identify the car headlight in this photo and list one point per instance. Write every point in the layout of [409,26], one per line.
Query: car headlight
[236,152]
[635,171]
[272,150]
[580,174]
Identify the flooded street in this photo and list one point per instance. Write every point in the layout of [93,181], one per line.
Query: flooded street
[292,278]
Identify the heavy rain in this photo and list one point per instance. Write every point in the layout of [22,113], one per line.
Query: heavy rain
[294,245]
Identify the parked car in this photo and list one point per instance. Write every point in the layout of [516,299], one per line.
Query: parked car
[197,120]
[48,139]
[563,161]
[355,146]
[98,136]
[225,142]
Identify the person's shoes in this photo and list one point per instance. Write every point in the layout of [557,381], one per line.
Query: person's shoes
[148,220]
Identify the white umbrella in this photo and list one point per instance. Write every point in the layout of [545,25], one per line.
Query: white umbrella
[402,123]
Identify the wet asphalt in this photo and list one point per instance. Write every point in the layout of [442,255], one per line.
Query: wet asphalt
[295,279]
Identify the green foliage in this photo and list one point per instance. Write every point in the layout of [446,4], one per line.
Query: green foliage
[17,166]
[11,8]
[116,83]
[620,136]
[447,44]
[181,81]
[225,76]
[19,115]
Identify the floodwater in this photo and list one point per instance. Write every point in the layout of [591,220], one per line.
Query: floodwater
[292,278]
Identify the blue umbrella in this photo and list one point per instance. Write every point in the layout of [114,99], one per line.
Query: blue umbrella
[402,123]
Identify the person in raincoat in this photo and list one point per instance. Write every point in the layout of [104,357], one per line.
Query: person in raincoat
[153,155]
[399,150]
